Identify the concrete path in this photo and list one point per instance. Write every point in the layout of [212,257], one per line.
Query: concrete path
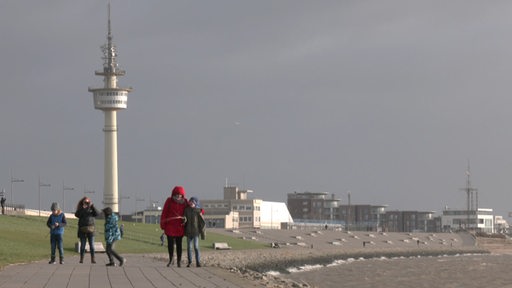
[139,271]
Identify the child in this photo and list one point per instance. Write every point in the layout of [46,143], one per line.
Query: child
[56,222]
[194,226]
[112,234]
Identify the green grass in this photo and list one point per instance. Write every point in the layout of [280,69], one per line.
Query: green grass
[26,238]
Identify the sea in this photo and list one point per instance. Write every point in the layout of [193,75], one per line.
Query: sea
[465,271]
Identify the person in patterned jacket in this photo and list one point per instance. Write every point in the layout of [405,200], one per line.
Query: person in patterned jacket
[112,234]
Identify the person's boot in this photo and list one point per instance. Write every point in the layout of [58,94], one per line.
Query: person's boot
[93,260]
[52,260]
[81,258]
[61,260]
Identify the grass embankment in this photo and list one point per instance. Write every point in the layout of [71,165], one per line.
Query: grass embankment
[26,238]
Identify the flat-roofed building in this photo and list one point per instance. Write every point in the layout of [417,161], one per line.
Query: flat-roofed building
[479,220]
[409,221]
[313,206]
[236,210]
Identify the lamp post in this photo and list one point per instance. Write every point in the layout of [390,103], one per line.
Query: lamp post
[14,180]
[349,214]
[88,191]
[41,184]
[138,200]
[120,200]
[65,188]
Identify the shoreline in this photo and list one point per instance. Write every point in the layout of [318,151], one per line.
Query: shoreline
[259,266]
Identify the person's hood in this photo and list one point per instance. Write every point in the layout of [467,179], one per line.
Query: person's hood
[178,190]
[107,211]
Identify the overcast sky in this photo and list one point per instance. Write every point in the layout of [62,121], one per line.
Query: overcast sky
[389,100]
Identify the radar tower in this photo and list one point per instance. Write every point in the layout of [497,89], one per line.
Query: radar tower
[110,99]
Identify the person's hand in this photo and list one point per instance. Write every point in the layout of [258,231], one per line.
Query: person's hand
[57,224]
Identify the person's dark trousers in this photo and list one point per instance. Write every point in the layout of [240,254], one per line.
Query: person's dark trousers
[179,249]
[111,253]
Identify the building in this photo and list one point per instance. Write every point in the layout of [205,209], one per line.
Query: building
[273,214]
[362,216]
[314,207]
[150,215]
[236,210]
[500,225]
[410,221]
[479,220]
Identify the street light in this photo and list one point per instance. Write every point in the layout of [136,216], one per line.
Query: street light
[14,180]
[88,191]
[138,200]
[41,184]
[120,200]
[64,188]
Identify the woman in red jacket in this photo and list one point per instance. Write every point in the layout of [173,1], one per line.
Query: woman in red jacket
[171,222]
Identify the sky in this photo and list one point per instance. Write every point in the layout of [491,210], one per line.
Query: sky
[389,101]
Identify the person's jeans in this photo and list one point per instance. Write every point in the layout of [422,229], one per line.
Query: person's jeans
[56,242]
[86,238]
[194,240]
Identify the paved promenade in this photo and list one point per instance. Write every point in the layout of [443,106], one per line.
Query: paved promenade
[139,271]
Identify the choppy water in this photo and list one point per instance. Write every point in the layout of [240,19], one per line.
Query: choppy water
[468,271]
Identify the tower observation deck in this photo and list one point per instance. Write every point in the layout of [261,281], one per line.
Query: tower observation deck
[109,99]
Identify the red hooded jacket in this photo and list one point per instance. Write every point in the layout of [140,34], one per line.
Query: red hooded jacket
[171,220]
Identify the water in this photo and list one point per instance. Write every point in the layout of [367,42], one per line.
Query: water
[468,271]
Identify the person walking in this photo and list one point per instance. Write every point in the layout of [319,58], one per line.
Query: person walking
[2,202]
[86,212]
[171,221]
[162,239]
[121,230]
[194,227]
[112,234]
[56,222]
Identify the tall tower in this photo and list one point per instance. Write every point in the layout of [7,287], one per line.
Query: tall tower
[109,99]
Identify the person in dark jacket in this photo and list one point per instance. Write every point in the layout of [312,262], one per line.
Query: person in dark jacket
[86,212]
[171,221]
[194,227]
[56,222]
[112,234]
[2,201]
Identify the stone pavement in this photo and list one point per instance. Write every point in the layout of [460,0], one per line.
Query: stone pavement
[139,271]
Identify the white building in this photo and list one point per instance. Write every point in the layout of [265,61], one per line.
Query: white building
[273,214]
[480,220]
[236,210]
[500,224]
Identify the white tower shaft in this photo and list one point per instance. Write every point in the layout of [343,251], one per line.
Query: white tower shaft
[111,192]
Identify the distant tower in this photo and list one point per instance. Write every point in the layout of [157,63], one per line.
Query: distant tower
[471,202]
[109,99]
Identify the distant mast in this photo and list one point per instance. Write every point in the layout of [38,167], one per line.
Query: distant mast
[471,194]
[109,99]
